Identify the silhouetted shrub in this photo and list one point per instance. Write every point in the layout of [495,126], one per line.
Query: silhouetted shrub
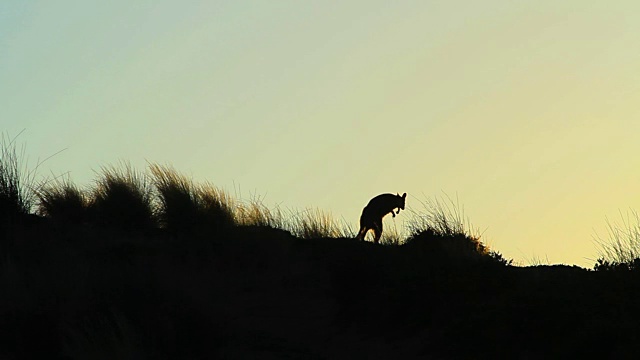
[622,244]
[498,258]
[442,217]
[184,205]
[255,213]
[122,199]
[216,206]
[391,237]
[315,224]
[16,182]
[456,246]
[443,232]
[178,201]
[607,265]
[63,202]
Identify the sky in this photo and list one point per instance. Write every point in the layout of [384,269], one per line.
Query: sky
[526,111]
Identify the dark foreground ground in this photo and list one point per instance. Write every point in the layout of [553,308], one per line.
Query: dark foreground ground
[260,293]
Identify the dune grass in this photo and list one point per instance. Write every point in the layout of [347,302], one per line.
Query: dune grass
[315,223]
[17,181]
[184,205]
[178,204]
[442,229]
[63,202]
[217,206]
[620,248]
[255,213]
[122,198]
[127,199]
[391,236]
[443,216]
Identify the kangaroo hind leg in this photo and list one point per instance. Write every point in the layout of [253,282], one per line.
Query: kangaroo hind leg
[377,231]
[362,233]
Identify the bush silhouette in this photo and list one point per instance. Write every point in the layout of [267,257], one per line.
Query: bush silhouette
[122,199]
[452,249]
[620,249]
[316,224]
[183,206]
[216,207]
[16,183]
[63,202]
[255,213]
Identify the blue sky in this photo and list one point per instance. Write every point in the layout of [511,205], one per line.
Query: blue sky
[527,110]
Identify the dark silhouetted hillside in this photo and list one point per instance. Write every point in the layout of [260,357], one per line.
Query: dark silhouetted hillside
[256,292]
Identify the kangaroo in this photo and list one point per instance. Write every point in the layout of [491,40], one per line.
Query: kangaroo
[376,209]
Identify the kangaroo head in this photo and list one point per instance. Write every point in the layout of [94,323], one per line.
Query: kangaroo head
[401,201]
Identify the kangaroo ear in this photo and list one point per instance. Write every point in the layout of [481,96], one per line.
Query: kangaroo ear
[404,195]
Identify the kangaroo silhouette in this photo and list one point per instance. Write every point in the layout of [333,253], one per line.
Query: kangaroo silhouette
[376,209]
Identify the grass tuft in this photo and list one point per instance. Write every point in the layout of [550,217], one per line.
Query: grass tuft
[621,245]
[443,230]
[122,198]
[63,202]
[391,236]
[185,206]
[216,206]
[255,213]
[178,203]
[443,216]
[16,181]
[314,224]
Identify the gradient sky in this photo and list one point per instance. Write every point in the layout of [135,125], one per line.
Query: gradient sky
[527,110]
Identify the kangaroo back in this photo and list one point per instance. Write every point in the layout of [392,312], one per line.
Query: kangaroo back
[383,204]
[376,209]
